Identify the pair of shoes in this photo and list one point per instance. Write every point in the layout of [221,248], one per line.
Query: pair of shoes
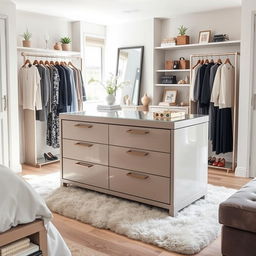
[49,156]
[221,162]
[211,160]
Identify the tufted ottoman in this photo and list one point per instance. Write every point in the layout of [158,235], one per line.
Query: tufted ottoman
[238,216]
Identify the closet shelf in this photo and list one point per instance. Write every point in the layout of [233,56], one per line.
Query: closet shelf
[189,46]
[173,85]
[48,51]
[42,161]
[227,168]
[172,70]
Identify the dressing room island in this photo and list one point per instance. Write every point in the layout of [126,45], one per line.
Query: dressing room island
[131,155]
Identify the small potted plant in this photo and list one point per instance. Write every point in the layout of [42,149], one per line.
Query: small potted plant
[65,43]
[182,38]
[27,36]
[111,86]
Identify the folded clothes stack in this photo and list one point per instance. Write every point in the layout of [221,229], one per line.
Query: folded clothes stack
[22,247]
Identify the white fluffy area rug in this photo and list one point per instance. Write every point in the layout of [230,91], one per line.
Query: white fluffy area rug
[194,228]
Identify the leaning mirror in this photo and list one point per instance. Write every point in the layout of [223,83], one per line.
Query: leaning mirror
[129,68]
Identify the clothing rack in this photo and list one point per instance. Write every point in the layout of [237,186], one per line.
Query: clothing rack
[30,129]
[235,97]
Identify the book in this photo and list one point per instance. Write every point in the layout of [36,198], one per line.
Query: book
[108,107]
[15,246]
[38,253]
[26,251]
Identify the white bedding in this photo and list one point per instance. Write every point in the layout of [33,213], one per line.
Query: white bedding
[20,204]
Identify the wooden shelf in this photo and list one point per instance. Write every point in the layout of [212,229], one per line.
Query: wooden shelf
[173,85]
[41,161]
[227,168]
[172,70]
[189,46]
[48,51]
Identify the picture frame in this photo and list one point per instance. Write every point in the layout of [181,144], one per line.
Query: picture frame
[170,96]
[204,37]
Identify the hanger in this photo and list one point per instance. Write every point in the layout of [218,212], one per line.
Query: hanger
[57,63]
[41,62]
[47,63]
[65,63]
[219,61]
[227,61]
[35,62]
[26,62]
[198,61]
[211,61]
[202,62]
[206,61]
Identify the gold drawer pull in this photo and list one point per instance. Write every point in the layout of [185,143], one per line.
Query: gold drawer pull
[88,145]
[137,176]
[84,164]
[84,125]
[137,131]
[137,153]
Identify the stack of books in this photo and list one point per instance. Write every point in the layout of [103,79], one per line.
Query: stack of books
[108,107]
[22,247]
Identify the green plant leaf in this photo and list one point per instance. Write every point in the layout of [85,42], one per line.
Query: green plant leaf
[65,40]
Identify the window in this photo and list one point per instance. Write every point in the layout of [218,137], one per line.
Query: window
[94,53]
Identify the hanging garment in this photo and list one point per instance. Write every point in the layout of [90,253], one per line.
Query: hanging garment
[68,87]
[52,136]
[29,88]
[74,101]
[216,87]
[41,115]
[193,81]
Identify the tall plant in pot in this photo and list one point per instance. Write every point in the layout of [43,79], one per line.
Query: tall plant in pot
[65,43]
[26,36]
[182,38]
[111,86]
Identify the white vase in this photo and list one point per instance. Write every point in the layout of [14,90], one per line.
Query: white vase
[110,99]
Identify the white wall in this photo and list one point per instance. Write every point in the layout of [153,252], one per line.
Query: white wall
[40,25]
[139,33]
[8,8]
[245,111]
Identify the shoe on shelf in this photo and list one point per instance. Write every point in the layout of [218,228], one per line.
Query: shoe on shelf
[211,160]
[216,163]
[222,163]
[52,156]
[48,157]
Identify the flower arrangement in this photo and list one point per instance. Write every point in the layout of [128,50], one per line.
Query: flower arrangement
[111,85]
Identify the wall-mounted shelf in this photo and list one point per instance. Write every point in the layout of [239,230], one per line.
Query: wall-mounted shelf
[227,168]
[172,70]
[189,46]
[174,85]
[48,51]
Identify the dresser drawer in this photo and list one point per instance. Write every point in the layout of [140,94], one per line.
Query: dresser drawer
[144,138]
[85,131]
[85,151]
[144,161]
[139,184]
[84,172]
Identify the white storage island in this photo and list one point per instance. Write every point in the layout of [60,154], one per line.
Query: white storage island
[131,155]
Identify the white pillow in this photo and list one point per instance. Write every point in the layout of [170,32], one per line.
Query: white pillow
[19,203]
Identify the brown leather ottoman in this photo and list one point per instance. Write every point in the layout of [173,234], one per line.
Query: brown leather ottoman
[238,216]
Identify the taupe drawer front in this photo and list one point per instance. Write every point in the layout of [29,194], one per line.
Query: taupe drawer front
[85,151]
[140,160]
[139,184]
[87,173]
[144,138]
[85,131]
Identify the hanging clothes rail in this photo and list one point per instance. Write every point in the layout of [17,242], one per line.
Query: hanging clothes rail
[235,98]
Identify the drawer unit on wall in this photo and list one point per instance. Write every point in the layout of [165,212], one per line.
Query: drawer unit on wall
[144,162]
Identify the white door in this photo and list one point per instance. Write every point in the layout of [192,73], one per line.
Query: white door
[4,149]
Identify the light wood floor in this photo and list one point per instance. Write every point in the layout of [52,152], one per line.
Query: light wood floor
[101,242]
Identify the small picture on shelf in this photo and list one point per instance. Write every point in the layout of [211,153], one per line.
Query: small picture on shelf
[204,37]
[170,97]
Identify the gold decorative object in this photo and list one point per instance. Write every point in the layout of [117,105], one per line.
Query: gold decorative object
[167,115]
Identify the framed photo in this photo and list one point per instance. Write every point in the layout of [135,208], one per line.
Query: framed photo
[204,37]
[170,96]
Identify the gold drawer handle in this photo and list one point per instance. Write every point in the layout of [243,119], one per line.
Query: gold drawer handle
[85,164]
[137,131]
[88,145]
[137,153]
[137,176]
[84,125]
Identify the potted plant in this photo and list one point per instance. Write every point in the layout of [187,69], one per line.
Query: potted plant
[65,43]
[111,86]
[27,36]
[182,38]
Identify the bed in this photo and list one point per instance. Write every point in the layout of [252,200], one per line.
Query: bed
[20,204]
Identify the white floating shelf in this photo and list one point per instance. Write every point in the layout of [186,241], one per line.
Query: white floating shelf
[172,70]
[48,51]
[188,46]
[173,85]
[161,106]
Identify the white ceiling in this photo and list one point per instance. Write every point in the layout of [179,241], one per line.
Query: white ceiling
[115,11]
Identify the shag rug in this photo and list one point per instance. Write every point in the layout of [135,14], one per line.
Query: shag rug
[194,228]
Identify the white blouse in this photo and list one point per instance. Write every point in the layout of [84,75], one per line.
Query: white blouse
[216,87]
[29,88]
